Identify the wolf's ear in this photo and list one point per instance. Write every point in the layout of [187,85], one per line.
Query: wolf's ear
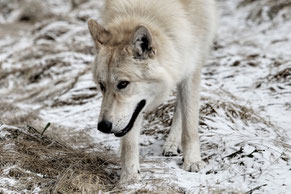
[98,33]
[142,42]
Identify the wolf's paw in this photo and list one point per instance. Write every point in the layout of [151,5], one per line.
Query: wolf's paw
[171,148]
[194,167]
[132,177]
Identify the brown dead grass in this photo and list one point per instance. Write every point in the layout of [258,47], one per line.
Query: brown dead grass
[282,76]
[12,115]
[269,8]
[232,109]
[37,161]
[161,116]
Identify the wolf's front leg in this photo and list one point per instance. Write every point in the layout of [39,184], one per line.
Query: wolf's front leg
[189,91]
[130,153]
[172,146]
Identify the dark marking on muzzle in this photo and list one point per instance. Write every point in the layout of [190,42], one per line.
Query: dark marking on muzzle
[129,126]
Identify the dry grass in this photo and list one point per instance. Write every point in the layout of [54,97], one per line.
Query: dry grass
[41,164]
[37,161]
[282,76]
[162,116]
[12,115]
[267,8]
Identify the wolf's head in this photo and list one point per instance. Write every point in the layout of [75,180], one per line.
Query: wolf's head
[128,72]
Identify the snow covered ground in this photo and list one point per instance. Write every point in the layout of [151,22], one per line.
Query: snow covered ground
[245,121]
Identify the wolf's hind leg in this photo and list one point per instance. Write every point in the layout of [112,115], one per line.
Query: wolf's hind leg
[172,146]
[190,93]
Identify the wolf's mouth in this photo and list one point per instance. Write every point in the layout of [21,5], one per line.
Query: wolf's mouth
[129,126]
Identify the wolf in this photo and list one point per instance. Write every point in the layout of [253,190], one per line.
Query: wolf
[145,49]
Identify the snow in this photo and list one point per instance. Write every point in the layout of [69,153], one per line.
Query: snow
[6,183]
[245,140]
[3,133]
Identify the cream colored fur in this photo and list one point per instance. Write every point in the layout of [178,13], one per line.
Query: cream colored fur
[180,33]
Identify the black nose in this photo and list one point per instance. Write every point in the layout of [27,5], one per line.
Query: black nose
[105,126]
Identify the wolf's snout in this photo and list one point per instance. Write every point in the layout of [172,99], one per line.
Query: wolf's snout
[105,126]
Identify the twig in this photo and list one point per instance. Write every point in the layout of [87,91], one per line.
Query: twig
[240,151]
[256,188]
[46,127]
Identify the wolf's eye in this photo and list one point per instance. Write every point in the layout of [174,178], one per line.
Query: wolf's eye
[102,87]
[122,84]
